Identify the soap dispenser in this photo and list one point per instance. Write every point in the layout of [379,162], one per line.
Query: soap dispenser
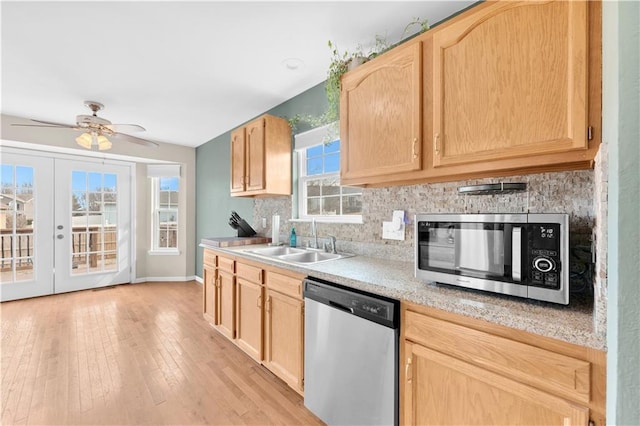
[293,238]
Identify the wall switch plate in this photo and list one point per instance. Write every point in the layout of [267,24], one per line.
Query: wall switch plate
[264,222]
[394,230]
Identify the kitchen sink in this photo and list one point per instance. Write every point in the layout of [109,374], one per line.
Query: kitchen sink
[276,251]
[297,255]
[311,257]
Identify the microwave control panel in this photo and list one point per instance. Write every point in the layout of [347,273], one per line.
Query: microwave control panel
[544,250]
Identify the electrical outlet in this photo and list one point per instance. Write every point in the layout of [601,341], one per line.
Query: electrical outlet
[264,222]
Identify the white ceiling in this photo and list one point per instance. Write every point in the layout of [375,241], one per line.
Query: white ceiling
[186,71]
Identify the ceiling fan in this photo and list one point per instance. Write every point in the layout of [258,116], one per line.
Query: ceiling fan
[97,131]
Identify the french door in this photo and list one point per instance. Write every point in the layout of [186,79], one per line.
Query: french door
[66,225]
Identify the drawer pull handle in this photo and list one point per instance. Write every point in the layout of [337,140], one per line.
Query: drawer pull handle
[436,143]
[259,305]
[407,370]
[415,148]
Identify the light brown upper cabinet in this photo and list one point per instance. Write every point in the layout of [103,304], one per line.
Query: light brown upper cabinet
[381,116]
[506,88]
[510,81]
[261,158]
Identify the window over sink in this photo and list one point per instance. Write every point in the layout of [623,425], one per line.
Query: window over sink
[318,191]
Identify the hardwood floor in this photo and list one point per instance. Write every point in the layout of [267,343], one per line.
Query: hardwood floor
[132,354]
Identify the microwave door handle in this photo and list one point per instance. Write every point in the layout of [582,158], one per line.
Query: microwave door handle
[516,253]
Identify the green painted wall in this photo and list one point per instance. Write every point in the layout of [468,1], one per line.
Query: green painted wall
[621,129]
[213,202]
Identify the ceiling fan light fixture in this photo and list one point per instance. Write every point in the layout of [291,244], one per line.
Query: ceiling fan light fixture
[85,140]
[103,143]
[89,140]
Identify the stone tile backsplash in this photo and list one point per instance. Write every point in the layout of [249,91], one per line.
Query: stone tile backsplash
[563,192]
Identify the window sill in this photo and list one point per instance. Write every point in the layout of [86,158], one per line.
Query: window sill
[356,220]
[169,252]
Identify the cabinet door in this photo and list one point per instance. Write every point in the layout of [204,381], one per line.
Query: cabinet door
[255,155]
[249,318]
[210,291]
[381,116]
[443,390]
[226,304]
[284,340]
[510,81]
[237,160]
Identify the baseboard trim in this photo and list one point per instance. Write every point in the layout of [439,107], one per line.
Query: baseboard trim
[199,279]
[169,279]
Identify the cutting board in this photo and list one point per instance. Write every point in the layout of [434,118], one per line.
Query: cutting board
[234,241]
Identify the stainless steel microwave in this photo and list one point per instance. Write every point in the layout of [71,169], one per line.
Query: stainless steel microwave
[524,255]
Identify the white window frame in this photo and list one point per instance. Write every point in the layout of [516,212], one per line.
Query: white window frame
[304,141]
[155,218]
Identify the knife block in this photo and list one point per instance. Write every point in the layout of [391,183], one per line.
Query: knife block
[245,230]
[243,233]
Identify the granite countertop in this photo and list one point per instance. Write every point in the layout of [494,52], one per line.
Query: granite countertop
[573,324]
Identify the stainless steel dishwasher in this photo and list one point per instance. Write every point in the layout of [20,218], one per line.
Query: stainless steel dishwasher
[351,355]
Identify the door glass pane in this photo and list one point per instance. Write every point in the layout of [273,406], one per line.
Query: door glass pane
[17,227]
[94,218]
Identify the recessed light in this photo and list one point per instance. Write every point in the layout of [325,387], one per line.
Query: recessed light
[293,64]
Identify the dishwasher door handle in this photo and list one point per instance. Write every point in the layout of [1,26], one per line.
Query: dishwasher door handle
[340,306]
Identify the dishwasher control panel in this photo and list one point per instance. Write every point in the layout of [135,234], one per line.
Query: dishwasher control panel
[373,307]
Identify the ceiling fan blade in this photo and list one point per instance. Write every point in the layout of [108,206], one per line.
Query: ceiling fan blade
[125,128]
[134,139]
[52,123]
[46,124]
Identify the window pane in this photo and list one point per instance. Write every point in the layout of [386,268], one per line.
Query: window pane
[332,163]
[24,182]
[331,206]
[314,151]
[78,220]
[331,186]
[110,239]
[95,181]
[110,182]
[313,206]
[110,215]
[352,204]
[313,188]
[169,216]
[169,184]
[109,261]
[78,181]
[333,146]
[95,202]
[6,177]
[314,166]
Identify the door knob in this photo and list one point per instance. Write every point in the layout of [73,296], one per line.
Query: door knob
[60,227]
[59,236]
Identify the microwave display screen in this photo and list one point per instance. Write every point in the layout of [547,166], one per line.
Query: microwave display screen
[546,236]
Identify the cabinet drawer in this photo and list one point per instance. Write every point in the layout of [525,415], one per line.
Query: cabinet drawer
[226,264]
[556,373]
[249,273]
[209,258]
[284,284]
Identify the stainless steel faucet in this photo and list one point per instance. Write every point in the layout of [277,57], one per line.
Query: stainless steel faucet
[314,233]
[330,245]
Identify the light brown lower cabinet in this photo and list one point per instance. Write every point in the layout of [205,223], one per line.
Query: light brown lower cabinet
[263,316]
[446,390]
[249,318]
[226,323]
[209,296]
[284,338]
[457,370]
